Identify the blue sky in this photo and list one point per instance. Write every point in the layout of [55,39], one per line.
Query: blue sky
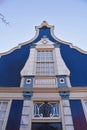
[68,16]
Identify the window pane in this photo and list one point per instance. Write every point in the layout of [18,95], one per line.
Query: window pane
[86,104]
[45,63]
[45,68]
[1,123]
[2,115]
[3,107]
[44,56]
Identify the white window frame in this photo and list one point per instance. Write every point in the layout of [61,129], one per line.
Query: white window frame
[84,107]
[6,114]
[53,61]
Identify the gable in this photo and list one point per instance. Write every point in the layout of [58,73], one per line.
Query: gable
[12,62]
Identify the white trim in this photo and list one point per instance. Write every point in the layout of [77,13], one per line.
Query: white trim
[62,69]
[7,113]
[21,44]
[66,43]
[22,82]
[68,81]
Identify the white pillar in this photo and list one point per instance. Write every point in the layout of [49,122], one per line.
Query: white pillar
[67,115]
[66,111]
[26,118]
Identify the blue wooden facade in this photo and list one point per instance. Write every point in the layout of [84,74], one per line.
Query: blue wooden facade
[11,64]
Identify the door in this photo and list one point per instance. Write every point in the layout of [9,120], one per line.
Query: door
[47,126]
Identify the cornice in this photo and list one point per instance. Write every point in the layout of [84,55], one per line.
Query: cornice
[42,90]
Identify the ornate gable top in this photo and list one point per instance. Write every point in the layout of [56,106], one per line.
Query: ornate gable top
[44,24]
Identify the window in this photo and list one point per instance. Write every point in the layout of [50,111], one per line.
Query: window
[86,104]
[45,56]
[46,109]
[45,63]
[3,108]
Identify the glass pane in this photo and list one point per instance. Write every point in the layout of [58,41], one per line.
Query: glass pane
[45,68]
[45,64]
[44,56]
[1,123]
[86,104]
[3,106]
[2,115]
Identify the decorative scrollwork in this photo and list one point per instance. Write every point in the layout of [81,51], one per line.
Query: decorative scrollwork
[46,109]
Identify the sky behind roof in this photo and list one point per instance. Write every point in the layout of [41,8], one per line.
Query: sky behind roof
[68,16]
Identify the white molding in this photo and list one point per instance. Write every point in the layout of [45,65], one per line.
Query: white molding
[68,81]
[41,45]
[42,90]
[66,43]
[21,44]
[22,81]
[44,23]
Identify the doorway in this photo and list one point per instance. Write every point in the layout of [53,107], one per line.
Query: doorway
[47,126]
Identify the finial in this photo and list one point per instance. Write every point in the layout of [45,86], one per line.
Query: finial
[44,24]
